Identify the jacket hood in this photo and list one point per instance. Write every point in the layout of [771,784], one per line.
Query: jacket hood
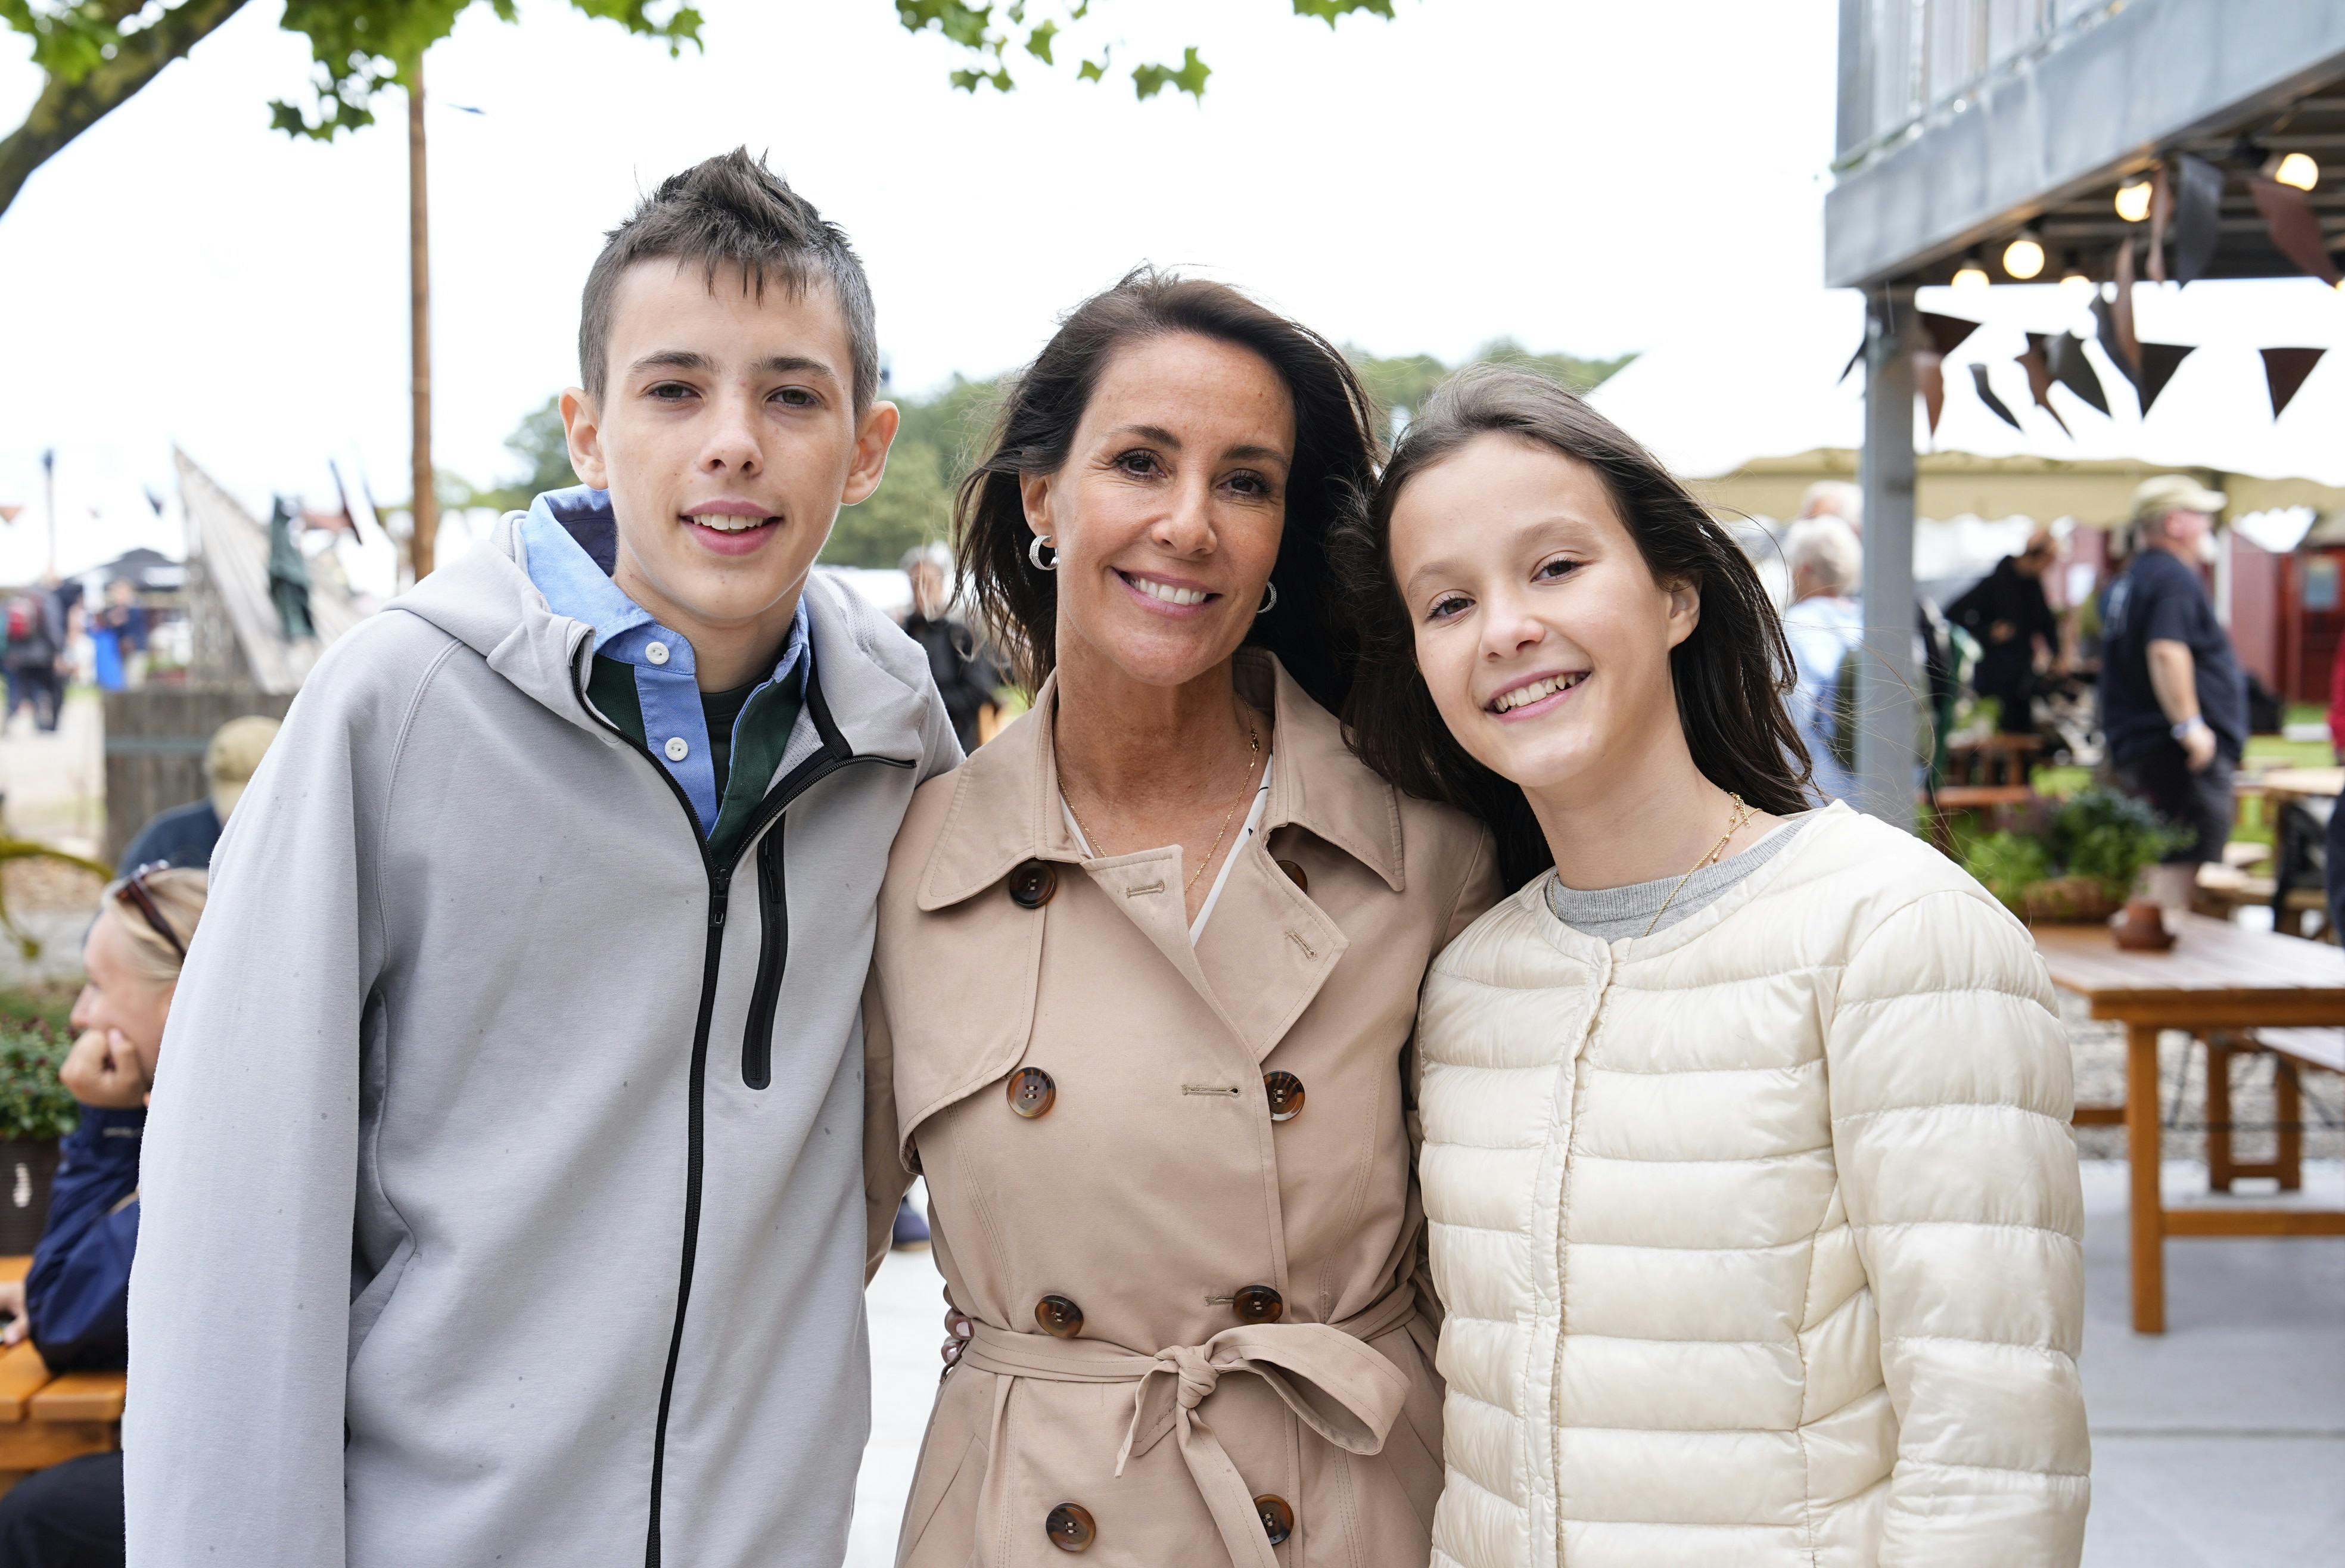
[868,680]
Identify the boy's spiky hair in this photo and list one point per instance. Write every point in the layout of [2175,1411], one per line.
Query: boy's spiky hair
[732,211]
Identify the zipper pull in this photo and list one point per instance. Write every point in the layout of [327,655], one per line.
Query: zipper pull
[718,891]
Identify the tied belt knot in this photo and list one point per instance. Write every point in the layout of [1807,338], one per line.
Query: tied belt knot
[1334,1381]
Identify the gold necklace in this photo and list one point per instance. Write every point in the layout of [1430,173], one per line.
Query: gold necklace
[1743,815]
[1253,755]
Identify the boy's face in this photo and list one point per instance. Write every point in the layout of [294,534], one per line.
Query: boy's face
[727,437]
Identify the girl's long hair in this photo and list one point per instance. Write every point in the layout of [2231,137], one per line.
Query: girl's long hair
[1731,674]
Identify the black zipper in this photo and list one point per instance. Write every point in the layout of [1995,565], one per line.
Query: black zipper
[773,957]
[833,757]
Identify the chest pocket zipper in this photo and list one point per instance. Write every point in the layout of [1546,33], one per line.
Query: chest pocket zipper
[773,958]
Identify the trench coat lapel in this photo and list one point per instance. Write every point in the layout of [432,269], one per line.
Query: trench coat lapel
[1006,811]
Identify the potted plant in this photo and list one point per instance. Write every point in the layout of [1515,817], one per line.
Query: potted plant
[35,1111]
[2077,862]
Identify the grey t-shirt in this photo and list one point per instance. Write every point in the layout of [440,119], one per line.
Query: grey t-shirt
[1612,913]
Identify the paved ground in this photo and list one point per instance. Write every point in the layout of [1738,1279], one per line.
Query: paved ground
[2221,1444]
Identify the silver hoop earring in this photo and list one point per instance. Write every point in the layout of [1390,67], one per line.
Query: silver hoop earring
[1269,599]
[1034,553]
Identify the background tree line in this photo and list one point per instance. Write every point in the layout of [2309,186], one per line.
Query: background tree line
[940,437]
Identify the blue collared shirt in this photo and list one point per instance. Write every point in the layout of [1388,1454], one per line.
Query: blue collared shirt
[572,538]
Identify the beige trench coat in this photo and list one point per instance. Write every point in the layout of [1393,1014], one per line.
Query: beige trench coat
[1240,1351]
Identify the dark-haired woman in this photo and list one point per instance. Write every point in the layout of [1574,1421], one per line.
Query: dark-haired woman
[1747,1161]
[1146,973]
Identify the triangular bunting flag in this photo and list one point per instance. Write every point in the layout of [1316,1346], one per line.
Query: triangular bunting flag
[2037,363]
[2197,215]
[2288,212]
[2104,318]
[1946,332]
[1853,361]
[2285,370]
[2159,363]
[2073,370]
[1930,380]
[1995,405]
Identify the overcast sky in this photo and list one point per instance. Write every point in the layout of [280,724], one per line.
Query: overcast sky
[1580,175]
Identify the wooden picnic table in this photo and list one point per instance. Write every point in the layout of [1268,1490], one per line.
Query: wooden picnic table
[2217,976]
[2282,784]
[47,1418]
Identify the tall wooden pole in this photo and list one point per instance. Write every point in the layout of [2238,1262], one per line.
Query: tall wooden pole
[425,508]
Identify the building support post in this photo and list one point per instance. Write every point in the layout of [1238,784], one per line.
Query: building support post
[423,511]
[1890,694]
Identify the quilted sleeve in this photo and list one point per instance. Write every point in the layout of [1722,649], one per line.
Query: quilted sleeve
[1951,1096]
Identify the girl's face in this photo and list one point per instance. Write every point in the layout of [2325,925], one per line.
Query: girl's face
[1167,513]
[1541,633]
[117,996]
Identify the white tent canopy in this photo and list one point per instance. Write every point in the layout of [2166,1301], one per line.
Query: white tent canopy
[1770,386]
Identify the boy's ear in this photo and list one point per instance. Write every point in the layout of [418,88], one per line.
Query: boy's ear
[582,422]
[872,439]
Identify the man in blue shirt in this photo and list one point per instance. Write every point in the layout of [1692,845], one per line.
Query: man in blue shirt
[2174,705]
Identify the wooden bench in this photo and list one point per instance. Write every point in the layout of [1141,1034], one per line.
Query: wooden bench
[2293,1050]
[47,1418]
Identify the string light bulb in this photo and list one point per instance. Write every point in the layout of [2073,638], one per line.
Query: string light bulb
[1969,274]
[2133,201]
[2297,169]
[2074,285]
[2024,257]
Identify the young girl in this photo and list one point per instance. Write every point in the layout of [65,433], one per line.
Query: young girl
[1752,1195]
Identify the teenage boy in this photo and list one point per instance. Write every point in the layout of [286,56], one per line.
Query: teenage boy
[503,1198]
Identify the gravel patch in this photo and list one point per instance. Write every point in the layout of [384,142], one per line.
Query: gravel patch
[2099,1052]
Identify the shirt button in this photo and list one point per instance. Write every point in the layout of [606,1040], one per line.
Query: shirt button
[1032,1092]
[1031,884]
[1286,1092]
[1294,874]
[1069,1527]
[677,749]
[655,652]
[1277,1518]
[1058,1317]
[1258,1304]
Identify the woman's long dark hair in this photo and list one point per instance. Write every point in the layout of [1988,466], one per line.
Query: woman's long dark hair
[1731,673]
[1335,463]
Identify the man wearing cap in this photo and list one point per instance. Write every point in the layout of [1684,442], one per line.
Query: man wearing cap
[2174,705]
[183,835]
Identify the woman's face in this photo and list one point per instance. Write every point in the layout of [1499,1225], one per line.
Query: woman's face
[1539,630]
[117,996]
[1167,513]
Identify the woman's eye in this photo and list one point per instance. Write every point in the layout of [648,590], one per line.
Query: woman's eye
[1448,608]
[1251,484]
[1139,464]
[1552,570]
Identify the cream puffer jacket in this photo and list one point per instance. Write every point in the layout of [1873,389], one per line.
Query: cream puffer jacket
[1760,1236]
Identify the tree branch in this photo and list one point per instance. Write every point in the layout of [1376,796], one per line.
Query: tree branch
[66,109]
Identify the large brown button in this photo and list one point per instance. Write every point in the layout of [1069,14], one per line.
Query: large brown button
[1302,883]
[1277,1518]
[1032,883]
[1058,1316]
[1258,1304]
[1032,1092]
[1069,1527]
[1286,1091]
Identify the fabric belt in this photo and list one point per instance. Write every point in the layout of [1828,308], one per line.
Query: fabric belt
[1327,1373]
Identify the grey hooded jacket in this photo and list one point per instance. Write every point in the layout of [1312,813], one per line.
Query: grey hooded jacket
[468,1240]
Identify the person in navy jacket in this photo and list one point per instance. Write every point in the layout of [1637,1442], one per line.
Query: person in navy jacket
[75,1300]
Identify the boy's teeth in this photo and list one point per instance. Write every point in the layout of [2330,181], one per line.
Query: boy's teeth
[1523,696]
[727,524]
[1168,593]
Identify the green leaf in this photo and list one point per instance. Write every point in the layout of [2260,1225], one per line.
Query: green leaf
[1038,42]
[1092,70]
[1190,78]
[1328,11]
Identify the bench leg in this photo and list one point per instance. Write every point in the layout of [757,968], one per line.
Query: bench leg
[2287,1110]
[2142,1155]
[2218,1115]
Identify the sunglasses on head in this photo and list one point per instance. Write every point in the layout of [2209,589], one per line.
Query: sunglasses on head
[135,892]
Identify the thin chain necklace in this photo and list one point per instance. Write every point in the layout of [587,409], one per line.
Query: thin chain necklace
[1743,815]
[1253,755]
